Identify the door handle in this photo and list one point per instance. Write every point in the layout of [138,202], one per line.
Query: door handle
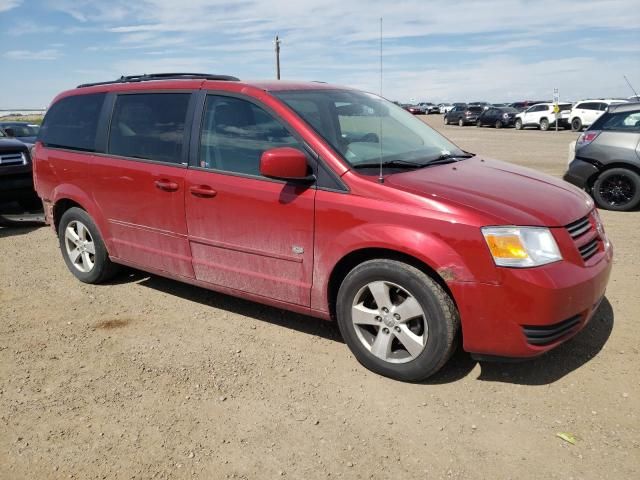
[166,185]
[202,191]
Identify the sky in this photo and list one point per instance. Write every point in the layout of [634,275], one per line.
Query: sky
[432,50]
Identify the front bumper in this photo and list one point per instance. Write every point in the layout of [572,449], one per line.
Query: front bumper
[532,310]
[16,185]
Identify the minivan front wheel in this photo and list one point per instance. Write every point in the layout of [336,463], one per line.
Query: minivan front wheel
[83,249]
[617,189]
[396,320]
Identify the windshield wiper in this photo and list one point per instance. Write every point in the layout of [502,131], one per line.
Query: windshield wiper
[391,163]
[449,158]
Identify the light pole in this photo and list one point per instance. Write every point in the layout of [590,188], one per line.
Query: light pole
[277,42]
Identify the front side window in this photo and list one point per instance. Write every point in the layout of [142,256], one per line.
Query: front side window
[235,134]
[149,126]
[364,128]
[72,122]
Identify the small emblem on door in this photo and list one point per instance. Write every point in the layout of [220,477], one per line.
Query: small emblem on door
[297,250]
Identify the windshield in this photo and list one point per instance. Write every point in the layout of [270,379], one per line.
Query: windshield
[365,128]
[23,130]
[508,110]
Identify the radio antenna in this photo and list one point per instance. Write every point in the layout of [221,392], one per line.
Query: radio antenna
[380,177]
[629,83]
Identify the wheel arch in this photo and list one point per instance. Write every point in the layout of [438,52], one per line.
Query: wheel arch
[68,196]
[356,257]
[608,166]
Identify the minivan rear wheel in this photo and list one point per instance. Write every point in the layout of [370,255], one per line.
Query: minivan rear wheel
[617,189]
[396,320]
[83,249]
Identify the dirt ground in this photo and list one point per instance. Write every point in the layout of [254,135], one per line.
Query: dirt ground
[150,378]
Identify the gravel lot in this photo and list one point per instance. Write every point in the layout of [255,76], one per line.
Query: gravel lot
[150,378]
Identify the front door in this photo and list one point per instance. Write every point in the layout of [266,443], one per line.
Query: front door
[139,183]
[248,232]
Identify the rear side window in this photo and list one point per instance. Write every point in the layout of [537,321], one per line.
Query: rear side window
[235,134]
[621,122]
[72,122]
[149,126]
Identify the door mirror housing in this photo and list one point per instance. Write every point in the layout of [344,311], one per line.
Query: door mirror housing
[285,163]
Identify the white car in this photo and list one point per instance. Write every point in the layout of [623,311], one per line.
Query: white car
[585,112]
[445,107]
[543,117]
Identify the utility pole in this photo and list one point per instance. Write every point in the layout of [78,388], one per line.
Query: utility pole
[277,42]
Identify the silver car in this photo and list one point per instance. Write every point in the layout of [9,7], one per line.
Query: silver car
[606,162]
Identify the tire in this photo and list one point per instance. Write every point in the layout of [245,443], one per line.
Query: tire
[576,124]
[461,123]
[498,123]
[617,189]
[437,319]
[544,124]
[88,267]
[518,124]
[446,120]
[478,123]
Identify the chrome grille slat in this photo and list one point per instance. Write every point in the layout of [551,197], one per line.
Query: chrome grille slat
[577,230]
[12,158]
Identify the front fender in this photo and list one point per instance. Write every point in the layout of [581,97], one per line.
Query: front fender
[461,257]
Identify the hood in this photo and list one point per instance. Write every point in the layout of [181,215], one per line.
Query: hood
[11,145]
[511,194]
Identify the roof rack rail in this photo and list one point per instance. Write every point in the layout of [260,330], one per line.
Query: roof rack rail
[163,76]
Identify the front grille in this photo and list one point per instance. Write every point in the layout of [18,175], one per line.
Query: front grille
[585,236]
[12,158]
[579,227]
[544,335]
[589,249]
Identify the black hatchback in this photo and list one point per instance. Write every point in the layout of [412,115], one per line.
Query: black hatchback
[607,159]
[497,117]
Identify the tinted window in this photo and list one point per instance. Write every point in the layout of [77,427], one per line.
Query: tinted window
[236,132]
[150,126]
[72,122]
[623,121]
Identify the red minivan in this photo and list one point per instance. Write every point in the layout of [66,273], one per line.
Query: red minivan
[322,200]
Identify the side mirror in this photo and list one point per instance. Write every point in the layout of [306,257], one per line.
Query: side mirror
[285,163]
[10,132]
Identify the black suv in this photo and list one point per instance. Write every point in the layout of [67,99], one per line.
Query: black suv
[16,180]
[463,115]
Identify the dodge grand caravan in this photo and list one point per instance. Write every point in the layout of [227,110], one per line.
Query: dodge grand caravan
[322,200]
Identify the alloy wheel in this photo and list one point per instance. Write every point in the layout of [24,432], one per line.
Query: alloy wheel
[389,322]
[617,190]
[80,247]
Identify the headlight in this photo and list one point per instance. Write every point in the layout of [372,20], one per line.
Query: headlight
[521,247]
